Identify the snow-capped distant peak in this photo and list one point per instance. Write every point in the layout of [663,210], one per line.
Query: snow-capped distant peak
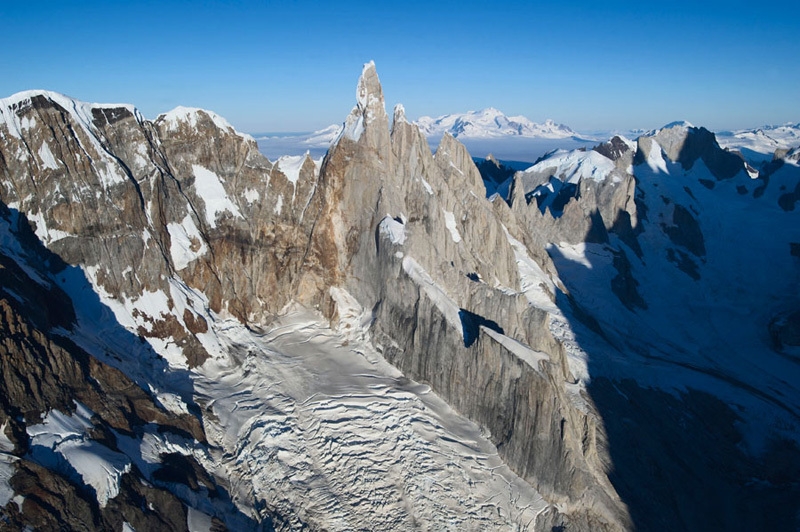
[491,123]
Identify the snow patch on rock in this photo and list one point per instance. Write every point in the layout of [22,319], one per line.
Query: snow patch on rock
[209,187]
[427,186]
[46,234]
[197,521]
[393,229]
[450,223]
[251,195]
[353,127]
[67,436]
[48,160]
[655,159]
[186,242]
[449,309]
[537,286]
[291,165]
[6,466]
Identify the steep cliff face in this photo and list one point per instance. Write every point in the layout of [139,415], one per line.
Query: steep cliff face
[186,197]
[442,276]
[83,446]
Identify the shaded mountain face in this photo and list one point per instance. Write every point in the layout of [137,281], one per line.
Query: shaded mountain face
[689,275]
[197,337]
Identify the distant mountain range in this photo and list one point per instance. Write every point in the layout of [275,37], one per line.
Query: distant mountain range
[512,137]
[473,127]
[487,123]
[491,123]
[762,141]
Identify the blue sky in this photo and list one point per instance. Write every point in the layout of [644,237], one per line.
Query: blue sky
[293,65]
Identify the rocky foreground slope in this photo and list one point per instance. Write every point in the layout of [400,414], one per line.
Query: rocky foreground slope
[197,338]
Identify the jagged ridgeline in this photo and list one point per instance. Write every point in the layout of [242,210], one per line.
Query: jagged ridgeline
[194,337]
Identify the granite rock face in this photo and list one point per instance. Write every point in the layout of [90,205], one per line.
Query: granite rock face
[423,249]
[183,196]
[657,242]
[90,471]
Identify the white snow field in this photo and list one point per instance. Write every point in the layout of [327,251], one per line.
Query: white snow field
[315,423]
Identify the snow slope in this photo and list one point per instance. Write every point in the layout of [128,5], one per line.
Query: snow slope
[318,425]
[764,140]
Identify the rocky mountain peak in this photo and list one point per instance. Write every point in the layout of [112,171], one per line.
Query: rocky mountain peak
[18,111]
[683,143]
[193,117]
[369,93]
[399,114]
[369,113]
[615,148]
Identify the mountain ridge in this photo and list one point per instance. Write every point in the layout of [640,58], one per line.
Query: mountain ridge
[330,323]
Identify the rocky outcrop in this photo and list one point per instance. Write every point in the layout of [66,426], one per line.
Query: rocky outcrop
[573,207]
[619,150]
[44,371]
[186,196]
[493,171]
